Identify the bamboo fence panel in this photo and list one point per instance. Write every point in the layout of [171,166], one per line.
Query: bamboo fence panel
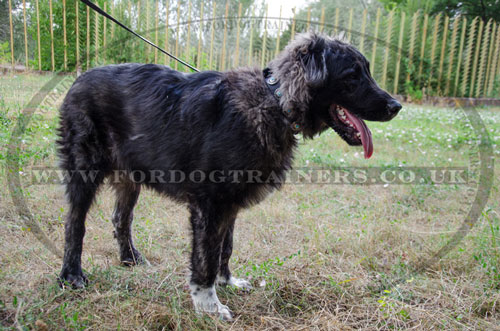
[476,58]
[386,53]
[451,54]
[413,38]
[176,65]
[400,45]
[460,50]
[156,27]
[38,34]
[167,58]
[441,57]
[422,48]
[496,57]
[200,31]
[53,61]
[264,40]
[490,57]
[11,36]
[77,30]
[374,46]
[26,62]
[469,54]
[363,29]
[483,58]
[223,55]
[277,50]
[88,38]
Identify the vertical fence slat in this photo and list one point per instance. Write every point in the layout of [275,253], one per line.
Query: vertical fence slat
[104,32]
[88,39]
[336,27]
[422,48]
[375,36]
[476,58]
[469,55]
[96,38]
[349,25]
[321,20]
[441,57]
[413,35]
[308,23]
[387,43]
[237,49]
[38,35]
[363,30]
[65,41]
[490,57]
[460,50]
[496,57]
[53,61]
[167,58]
[432,58]
[26,62]
[148,24]
[77,37]
[263,55]
[451,54]
[293,24]
[112,5]
[177,33]
[277,50]
[156,28]
[482,59]
[251,37]
[400,45]
[224,40]
[200,30]
[188,39]
[11,36]
[212,37]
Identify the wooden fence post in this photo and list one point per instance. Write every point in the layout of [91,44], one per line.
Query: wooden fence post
[400,45]
[482,60]
[413,37]
[52,36]
[321,20]
[167,58]
[96,38]
[188,39]
[308,22]
[363,30]
[451,54]
[476,57]
[468,56]
[104,33]
[200,31]
[177,33]
[460,50]
[88,39]
[387,43]
[212,37]
[26,62]
[349,25]
[490,58]
[277,50]
[237,50]
[38,36]
[263,55]
[251,37]
[64,36]
[496,57]
[336,27]
[156,29]
[434,46]
[223,55]
[374,46]
[11,36]
[422,48]
[443,48]
[293,25]
[77,30]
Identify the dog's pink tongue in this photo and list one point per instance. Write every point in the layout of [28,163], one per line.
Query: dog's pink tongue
[366,135]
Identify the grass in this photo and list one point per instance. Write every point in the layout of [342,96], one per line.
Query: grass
[319,256]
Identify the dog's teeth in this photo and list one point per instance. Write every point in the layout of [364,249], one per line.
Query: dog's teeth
[358,134]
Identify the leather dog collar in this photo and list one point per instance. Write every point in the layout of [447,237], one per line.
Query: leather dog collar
[273,84]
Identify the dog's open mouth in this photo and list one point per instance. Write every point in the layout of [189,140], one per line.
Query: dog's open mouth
[351,128]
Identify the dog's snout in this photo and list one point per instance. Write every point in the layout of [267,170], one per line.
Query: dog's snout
[393,107]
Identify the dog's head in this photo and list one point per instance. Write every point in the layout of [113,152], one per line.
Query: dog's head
[327,83]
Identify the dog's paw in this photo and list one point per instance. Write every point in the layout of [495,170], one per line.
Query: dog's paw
[73,280]
[236,282]
[133,259]
[205,300]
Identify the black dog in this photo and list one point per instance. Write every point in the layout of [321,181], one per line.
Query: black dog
[208,140]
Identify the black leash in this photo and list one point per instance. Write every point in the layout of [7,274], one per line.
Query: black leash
[103,13]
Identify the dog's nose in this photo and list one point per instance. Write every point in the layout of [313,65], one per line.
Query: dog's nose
[393,107]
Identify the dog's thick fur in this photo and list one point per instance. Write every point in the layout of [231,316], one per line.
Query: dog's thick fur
[136,117]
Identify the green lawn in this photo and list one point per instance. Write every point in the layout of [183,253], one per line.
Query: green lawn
[320,256]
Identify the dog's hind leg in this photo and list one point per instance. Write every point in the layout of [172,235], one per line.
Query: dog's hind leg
[209,223]
[127,193]
[80,190]
[224,277]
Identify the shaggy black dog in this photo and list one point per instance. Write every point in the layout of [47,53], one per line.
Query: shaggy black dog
[217,141]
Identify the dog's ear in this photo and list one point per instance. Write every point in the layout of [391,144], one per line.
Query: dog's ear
[311,54]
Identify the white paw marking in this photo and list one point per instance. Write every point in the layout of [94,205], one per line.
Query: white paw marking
[233,281]
[205,300]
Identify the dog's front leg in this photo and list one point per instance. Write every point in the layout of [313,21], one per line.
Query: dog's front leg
[209,224]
